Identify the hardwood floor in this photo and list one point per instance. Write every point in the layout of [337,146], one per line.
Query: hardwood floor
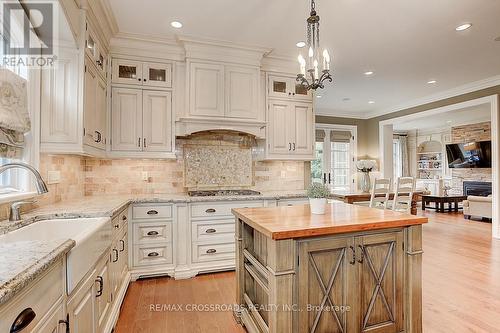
[461,287]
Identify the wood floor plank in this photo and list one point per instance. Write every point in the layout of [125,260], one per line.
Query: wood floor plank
[461,287]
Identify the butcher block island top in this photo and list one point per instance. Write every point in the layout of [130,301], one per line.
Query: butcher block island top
[297,221]
[352,270]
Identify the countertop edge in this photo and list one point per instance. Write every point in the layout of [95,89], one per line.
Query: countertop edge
[14,286]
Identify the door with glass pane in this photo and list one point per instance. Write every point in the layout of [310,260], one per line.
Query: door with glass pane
[127,71]
[157,75]
[334,162]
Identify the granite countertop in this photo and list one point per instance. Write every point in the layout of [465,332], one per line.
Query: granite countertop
[22,262]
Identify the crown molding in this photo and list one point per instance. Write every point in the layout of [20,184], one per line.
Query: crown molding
[110,16]
[126,44]
[460,90]
[331,113]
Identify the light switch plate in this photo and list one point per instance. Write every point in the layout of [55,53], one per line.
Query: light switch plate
[54,177]
[145,176]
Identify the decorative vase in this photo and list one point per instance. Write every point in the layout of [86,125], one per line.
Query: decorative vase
[318,205]
[365,182]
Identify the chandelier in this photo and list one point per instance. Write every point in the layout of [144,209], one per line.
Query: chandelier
[311,78]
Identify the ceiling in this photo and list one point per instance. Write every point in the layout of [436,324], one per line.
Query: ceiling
[470,115]
[406,43]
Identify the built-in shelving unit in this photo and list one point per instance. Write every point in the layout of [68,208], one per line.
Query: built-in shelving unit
[429,160]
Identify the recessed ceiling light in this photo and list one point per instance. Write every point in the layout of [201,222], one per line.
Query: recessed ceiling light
[176,24]
[368,73]
[371,102]
[319,96]
[346,99]
[301,44]
[463,27]
[432,82]
[448,121]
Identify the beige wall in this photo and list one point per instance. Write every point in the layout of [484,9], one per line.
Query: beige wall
[370,134]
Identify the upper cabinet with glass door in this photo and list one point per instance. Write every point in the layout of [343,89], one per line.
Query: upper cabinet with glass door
[95,50]
[150,74]
[287,87]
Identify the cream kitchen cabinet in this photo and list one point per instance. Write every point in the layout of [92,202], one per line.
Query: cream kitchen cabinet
[290,130]
[95,50]
[149,74]
[103,293]
[287,87]
[225,91]
[141,121]
[94,114]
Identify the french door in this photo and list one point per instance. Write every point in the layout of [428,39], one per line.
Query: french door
[335,151]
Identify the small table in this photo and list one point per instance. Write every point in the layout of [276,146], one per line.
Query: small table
[441,200]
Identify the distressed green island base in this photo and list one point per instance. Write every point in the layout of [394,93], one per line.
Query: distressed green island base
[354,269]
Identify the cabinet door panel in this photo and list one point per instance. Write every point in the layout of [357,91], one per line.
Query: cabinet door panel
[90,98]
[157,75]
[206,93]
[304,126]
[100,126]
[242,92]
[157,115]
[59,101]
[381,283]
[127,71]
[126,119]
[82,312]
[103,295]
[325,278]
[281,124]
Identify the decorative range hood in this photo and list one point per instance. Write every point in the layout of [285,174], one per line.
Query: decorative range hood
[190,125]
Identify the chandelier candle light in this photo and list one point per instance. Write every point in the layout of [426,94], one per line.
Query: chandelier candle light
[314,81]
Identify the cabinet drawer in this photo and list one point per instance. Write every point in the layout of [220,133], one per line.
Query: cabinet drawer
[212,252]
[221,208]
[119,221]
[152,212]
[152,232]
[154,254]
[206,231]
[39,296]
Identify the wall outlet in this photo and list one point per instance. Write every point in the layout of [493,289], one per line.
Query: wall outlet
[54,177]
[145,176]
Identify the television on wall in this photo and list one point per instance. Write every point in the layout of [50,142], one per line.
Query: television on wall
[476,154]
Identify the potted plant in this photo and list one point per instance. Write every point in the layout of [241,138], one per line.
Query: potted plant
[317,194]
[365,166]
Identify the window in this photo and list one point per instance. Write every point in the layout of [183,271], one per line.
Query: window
[397,158]
[335,151]
[15,182]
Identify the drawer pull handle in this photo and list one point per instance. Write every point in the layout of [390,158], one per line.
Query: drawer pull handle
[210,251]
[116,255]
[210,231]
[153,254]
[23,320]
[153,233]
[152,212]
[100,280]
[210,210]
[123,245]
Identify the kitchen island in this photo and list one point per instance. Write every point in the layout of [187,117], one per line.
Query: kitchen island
[353,269]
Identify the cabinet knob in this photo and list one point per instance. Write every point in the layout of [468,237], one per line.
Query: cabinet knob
[23,320]
[210,251]
[152,233]
[139,79]
[210,231]
[153,254]
[124,217]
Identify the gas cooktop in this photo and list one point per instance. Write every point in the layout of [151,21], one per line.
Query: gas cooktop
[214,193]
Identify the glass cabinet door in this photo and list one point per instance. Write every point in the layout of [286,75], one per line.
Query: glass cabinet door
[90,45]
[300,91]
[126,71]
[157,75]
[279,86]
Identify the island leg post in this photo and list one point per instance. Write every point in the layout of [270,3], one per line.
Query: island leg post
[413,267]
[281,263]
